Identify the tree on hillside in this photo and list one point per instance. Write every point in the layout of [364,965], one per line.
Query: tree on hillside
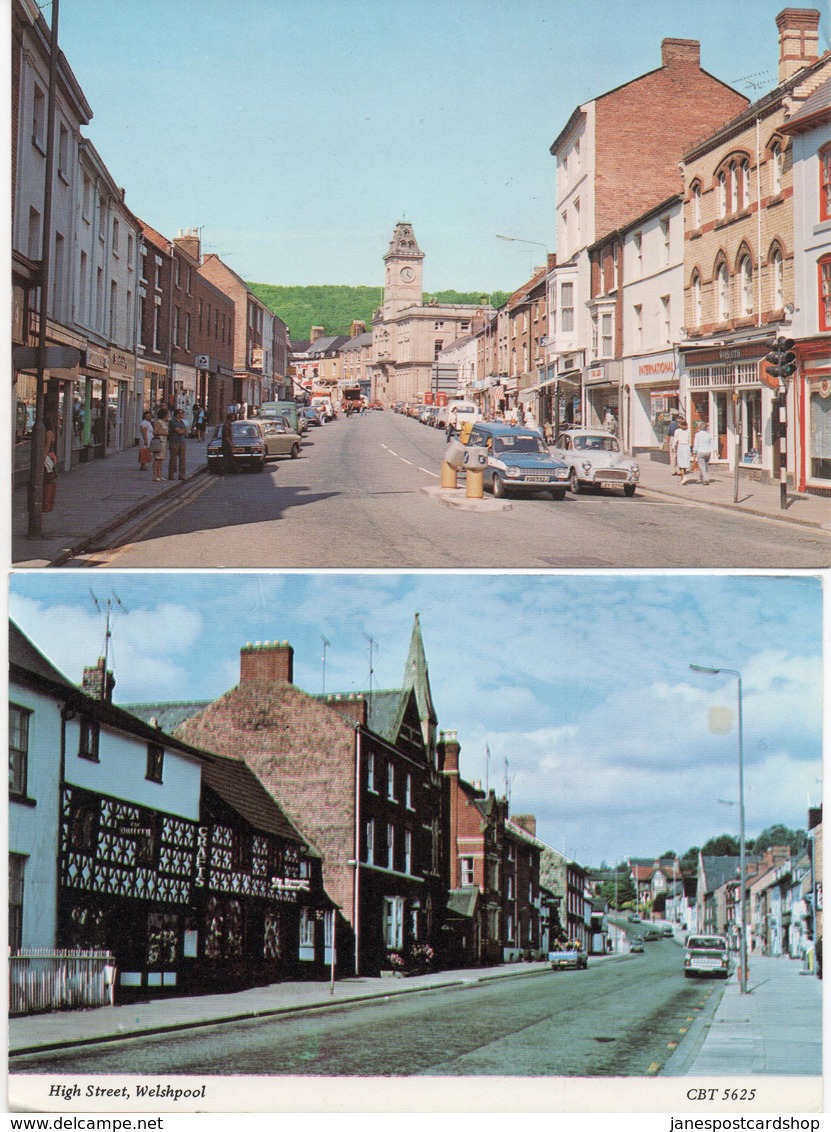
[780,835]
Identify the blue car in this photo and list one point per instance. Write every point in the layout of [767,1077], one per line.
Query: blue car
[518,460]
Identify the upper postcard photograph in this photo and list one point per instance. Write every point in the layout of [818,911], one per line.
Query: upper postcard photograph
[541,294]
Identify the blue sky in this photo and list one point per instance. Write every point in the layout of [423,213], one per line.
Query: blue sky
[296,133]
[580,682]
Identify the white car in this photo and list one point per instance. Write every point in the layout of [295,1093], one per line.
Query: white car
[595,460]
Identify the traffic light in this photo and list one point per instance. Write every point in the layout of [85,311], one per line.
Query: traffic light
[781,359]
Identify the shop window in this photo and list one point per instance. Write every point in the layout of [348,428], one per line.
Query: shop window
[162,940]
[820,436]
[750,419]
[307,928]
[18,750]
[272,935]
[223,929]
[825,183]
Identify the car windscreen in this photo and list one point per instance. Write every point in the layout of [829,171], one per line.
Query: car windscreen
[527,443]
[596,444]
[707,943]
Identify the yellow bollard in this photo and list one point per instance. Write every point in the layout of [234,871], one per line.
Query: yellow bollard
[475,480]
[448,475]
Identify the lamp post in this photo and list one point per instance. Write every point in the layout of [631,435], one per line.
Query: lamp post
[742,862]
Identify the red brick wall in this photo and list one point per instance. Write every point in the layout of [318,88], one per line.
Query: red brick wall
[643,128]
[267,662]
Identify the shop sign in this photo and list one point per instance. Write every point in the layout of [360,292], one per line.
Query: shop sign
[131,830]
[746,353]
[656,369]
[201,856]
[288,888]
[121,364]
[202,361]
[96,359]
[596,376]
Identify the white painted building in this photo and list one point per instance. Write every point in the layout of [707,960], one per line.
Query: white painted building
[652,313]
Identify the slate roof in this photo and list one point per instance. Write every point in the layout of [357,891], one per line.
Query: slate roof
[358,342]
[238,786]
[815,106]
[325,345]
[718,870]
[168,716]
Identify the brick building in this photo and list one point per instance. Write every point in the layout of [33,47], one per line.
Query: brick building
[357,775]
[739,258]
[494,871]
[617,157]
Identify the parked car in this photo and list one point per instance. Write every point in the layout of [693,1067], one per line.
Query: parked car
[274,410]
[667,931]
[594,459]
[281,439]
[518,460]
[250,449]
[633,918]
[376,405]
[706,955]
[312,417]
[651,934]
[637,945]
[567,956]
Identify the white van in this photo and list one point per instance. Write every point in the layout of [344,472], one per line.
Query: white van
[460,411]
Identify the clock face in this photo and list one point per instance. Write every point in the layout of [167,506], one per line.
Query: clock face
[407,274]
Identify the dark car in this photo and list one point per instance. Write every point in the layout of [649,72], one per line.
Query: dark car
[312,417]
[250,447]
[518,459]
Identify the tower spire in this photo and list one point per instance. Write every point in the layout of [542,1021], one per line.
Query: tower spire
[417,677]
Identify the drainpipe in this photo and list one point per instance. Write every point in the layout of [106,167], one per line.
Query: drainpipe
[356,891]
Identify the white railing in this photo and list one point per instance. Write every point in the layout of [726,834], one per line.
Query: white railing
[42,979]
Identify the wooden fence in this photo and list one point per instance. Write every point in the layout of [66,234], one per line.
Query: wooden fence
[41,979]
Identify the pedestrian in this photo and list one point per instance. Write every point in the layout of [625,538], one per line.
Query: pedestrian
[703,450]
[683,451]
[145,456]
[229,465]
[673,445]
[50,465]
[609,421]
[177,434]
[200,420]
[158,445]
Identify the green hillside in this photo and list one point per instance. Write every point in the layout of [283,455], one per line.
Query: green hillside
[334,308]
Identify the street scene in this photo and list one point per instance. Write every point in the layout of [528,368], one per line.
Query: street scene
[252,847]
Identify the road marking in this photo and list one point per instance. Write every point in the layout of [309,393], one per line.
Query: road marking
[683,1030]
[427,472]
[403,461]
[672,1045]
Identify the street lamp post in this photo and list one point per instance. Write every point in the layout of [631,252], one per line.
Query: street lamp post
[742,862]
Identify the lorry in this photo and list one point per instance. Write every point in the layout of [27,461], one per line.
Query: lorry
[568,956]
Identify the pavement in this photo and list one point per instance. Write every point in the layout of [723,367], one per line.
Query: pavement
[95,498]
[774,1029]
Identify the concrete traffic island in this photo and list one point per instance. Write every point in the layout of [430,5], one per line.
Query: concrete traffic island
[458,498]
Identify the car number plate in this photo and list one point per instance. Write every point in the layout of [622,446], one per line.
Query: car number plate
[705,963]
[611,483]
[538,478]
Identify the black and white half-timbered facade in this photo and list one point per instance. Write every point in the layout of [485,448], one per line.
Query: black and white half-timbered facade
[176,861]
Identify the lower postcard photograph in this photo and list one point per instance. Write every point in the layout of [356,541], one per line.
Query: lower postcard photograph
[412,842]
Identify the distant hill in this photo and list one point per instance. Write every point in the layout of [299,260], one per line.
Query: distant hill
[334,308]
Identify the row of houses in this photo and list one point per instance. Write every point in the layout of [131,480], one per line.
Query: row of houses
[269,834]
[783,895]
[693,227]
[154,320]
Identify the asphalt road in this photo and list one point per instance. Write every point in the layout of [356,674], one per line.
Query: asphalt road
[619,1018]
[354,499]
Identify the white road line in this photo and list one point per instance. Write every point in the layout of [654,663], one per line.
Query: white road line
[403,461]
[427,471]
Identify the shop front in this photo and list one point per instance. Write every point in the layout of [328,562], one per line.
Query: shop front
[728,390]
[601,385]
[122,422]
[152,385]
[812,395]
[655,400]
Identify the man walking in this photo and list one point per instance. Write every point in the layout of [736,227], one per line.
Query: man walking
[177,433]
[703,450]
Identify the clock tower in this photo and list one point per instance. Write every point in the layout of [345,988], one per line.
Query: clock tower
[403,286]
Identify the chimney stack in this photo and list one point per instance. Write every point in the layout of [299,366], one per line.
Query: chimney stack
[315,333]
[447,752]
[267,660]
[798,40]
[97,682]
[686,52]
[189,243]
[528,822]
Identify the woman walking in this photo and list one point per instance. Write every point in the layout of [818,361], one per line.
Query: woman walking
[158,445]
[145,456]
[683,452]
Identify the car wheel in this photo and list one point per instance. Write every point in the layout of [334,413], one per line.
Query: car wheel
[498,487]
[559,494]
[574,482]
[295,451]
[688,974]
[629,489]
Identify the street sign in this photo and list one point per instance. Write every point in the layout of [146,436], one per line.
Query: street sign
[54,357]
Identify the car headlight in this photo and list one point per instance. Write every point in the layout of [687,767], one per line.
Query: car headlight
[636,469]
[587,466]
[561,473]
[513,473]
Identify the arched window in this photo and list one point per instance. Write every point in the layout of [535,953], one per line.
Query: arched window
[744,184]
[776,168]
[824,267]
[696,205]
[825,183]
[746,276]
[778,280]
[722,194]
[723,289]
[734,187]
[696,299]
